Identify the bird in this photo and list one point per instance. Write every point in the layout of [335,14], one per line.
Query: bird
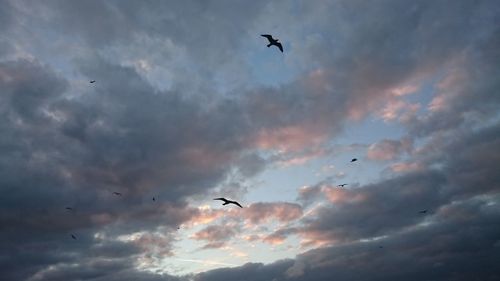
[92,81]
[69,209]
[117,193]
[354,160]
[342,185]
[423,211]
[273,41]
[380,247]
[154,199]
[73,236]
[229,202]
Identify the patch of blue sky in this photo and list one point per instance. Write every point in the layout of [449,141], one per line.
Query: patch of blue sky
[268,66]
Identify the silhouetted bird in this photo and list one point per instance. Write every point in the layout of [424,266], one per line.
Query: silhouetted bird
[73,236]
[342,185]
[423,211]
[228,202]
[154,199]
[92,81]
[69,208]
[273,41]
[117,193]
[354,160]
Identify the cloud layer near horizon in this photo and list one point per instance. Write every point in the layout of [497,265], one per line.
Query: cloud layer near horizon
[183,107]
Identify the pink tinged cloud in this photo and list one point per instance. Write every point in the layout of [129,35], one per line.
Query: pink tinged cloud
[263,212]
[290,138]
[404,167]
[216,235]
[399,110]
[274,239]
[450,86]
[342,195]
[300,158]
[389,149]
[370,100]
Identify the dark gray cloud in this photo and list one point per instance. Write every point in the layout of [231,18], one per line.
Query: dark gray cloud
[250,271]
[67,143]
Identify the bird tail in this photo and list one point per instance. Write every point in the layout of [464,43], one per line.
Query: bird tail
[269,45]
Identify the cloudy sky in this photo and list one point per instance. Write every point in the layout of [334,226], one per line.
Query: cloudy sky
[189,104]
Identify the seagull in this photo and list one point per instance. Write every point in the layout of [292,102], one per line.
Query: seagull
[69,209]
[342,185]
[423,211]
[73,236]
[273,41]
[228,202]
[92,81]
[354,160]
[117,193]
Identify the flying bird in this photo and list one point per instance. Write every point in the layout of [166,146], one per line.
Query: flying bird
[229,202]
[117,193]
[423,211]
[73,236]
[273,41]
[92,81]
[354,160]
[154,199]
[342,185]
[69,209]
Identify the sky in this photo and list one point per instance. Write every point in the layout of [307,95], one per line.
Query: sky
[189,105]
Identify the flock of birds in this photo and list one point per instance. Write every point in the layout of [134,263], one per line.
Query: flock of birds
[272,42]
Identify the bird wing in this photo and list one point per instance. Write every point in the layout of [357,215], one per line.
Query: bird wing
[279,46]
[236,203]
[268,36]
[222,199]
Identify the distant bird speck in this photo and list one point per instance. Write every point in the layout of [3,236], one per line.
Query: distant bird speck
[342,185]
[273,41]
[69,208]
[73,236]
[228,202]
[117,193]
[354,160]
[423,212]
[154,199]
[92,81]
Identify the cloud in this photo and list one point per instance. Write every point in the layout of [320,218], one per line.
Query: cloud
[279,236]
[216,235]
[389,149]
[257,213]
[180,104]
